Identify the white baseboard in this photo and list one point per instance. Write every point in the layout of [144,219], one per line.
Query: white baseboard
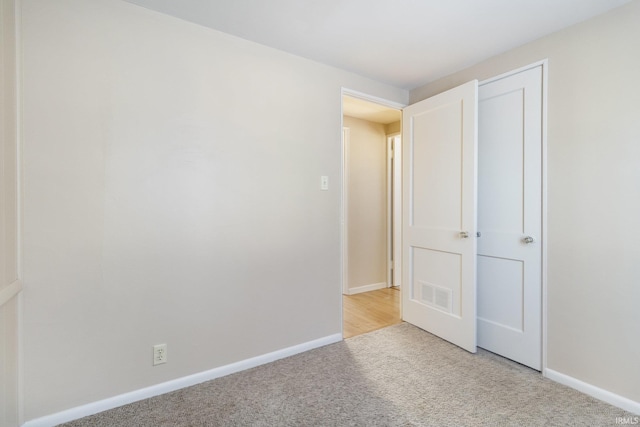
[156,390]
[593,391]
[367,288]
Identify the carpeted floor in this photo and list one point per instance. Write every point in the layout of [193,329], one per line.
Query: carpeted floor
[397,376]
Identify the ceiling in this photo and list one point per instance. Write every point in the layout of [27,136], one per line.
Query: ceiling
[369,111]
[405,43]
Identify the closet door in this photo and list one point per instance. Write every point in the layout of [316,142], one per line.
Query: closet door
[510,217]
[439,215]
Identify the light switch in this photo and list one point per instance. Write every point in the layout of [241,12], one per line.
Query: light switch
[324,182]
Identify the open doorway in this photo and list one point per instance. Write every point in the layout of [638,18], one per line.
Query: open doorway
[371,215]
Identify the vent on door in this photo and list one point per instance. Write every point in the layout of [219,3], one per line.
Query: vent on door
[435,296]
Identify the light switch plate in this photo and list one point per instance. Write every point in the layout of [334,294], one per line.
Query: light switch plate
[324,182]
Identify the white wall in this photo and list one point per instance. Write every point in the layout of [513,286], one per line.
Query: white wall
[8,219]
[593,194]
[366,204]
[171,195]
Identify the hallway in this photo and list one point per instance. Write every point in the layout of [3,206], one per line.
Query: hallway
[368,311]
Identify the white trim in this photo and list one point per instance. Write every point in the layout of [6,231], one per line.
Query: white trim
[20,200]
[397,210]
[371,98]
[366,288]
[346,134]
[394,208]
[542,63]
[593,391]
[545,240]
[179,383]
[8,292]
[389,213]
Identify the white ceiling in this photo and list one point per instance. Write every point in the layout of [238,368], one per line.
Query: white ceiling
[405,43]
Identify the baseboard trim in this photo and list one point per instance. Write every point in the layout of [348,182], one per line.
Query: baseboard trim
[367,288]
[169,386]
[593,391]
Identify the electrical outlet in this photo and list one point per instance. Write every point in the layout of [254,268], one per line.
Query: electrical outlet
[159,354]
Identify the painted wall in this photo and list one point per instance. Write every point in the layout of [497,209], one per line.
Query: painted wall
[392,128]
[171,195]
[8,219]
[593,194]
[366,179]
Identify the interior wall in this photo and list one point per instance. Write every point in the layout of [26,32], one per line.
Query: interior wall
[8,219]
[366,204]
[171,195]
[392,128]
[593,205]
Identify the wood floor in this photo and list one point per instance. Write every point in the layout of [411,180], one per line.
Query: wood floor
[369,311]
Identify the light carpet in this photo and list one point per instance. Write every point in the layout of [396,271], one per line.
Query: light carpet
[396,376]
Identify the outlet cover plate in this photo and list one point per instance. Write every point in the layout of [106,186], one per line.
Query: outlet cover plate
[159,354]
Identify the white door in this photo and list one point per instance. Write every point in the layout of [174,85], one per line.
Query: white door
[510,217]
[439,215]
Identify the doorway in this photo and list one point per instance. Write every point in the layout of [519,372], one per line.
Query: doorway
[371,230]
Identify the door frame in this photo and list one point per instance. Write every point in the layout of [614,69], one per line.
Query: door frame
[344,213]
[544,64]
[343,180]
[394,208]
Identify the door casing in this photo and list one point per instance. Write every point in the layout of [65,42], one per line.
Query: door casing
[394,208]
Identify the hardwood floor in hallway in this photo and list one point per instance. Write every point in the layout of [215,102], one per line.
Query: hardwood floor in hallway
[369,311]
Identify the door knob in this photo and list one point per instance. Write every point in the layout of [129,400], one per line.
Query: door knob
[528,239]
[464,234]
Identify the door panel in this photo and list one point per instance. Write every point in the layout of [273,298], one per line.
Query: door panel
[439,206]
[501,157]
[509,210]
[435,285]
[505,276]
[437,171]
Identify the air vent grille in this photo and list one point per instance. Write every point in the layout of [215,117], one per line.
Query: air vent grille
[436,296]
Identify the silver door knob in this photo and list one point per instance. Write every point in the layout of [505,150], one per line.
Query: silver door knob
[464,234]
[528,239]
